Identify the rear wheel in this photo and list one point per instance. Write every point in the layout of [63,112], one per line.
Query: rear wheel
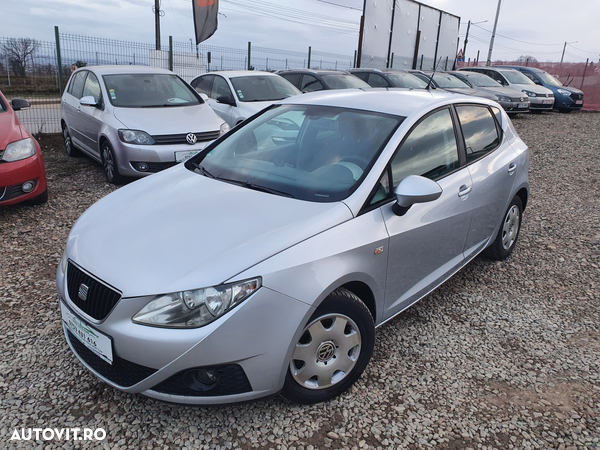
[109,163]
[71,150]
[508,233]
[333,351]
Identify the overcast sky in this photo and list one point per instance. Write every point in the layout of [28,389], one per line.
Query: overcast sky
[537,28]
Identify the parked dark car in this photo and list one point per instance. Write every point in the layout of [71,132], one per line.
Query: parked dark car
[389,78]
[309,80]
[512,100]
[447,82]
[566,98]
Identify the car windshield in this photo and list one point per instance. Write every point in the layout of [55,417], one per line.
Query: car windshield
[406,80]
[343,81]
[308,152]
[481,80]
[263,88]
[137,90]
[445,80]
[549,79]
[516,77]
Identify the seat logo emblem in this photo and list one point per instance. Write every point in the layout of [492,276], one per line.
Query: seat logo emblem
[83,292]
[191,138]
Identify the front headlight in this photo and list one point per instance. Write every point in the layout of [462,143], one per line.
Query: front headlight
[63,262]
[193,309]
[18,150]
[502,98]
[563,92]
[529,93]
[136,137]
[224,128]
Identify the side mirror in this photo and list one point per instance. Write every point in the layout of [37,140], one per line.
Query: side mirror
[415,189]
[226,100]
[536,81]
[203,96]
[88,100]
[19,104]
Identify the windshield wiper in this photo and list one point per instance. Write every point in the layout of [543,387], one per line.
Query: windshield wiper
[202,170]
[256,187]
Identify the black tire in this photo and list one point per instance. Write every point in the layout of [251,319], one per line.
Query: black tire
[507,236]
[40,199]
[109,163]
[70,148]
[346,342]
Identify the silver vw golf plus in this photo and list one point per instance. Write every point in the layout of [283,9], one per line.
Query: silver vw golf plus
[264,263]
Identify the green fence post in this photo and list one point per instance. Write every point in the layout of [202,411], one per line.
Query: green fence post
[309,50]
[392,61]
[354,65]
[58,60]
[249,54]
[171,53]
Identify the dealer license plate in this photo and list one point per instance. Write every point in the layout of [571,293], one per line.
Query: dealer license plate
[97,342]
[579,102]
[547,102]
[185,155]
[522,105]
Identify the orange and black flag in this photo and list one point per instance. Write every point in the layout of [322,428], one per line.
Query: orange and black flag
[205,18]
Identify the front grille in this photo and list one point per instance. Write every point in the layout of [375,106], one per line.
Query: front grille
[540,106]
[168,139]
[232,380]
[100,298]
[519,99]
[2,192]
[575,96]
[121,372]
[16,191]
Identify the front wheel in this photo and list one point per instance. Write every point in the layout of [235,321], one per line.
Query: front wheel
[333,350]
[69,147]
[109,163]
[508,233]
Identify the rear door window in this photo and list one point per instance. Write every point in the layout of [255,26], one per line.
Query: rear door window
[479,130]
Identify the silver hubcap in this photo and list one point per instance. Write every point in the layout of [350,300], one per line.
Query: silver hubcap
[109,164]
[327,351]
[510,228]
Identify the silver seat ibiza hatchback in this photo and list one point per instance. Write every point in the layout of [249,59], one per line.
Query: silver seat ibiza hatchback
[264,263]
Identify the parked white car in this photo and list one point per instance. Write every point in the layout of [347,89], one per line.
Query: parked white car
[237,95]
[135,120]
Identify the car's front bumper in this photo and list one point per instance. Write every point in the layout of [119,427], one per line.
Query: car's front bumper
[565,102]
[14,174]
[156,157]
[253,342]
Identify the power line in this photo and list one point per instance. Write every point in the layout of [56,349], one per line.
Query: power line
[591,53]
[516,40]
[341,6]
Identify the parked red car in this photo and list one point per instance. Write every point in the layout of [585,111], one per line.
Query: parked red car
[22,175]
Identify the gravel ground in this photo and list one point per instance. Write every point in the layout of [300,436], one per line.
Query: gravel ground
[505,355]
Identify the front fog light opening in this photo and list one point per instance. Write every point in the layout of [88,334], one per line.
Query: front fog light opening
[142,166]
[202,379]
[28,186]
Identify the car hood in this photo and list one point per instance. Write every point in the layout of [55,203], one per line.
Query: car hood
[10,129]
[178,230]
[533,88]
[170,119]
[570,89]
[504,91]
[470,91]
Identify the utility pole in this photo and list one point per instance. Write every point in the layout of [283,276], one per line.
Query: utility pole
[489,58]
[564,48]
[157,12]
[467,36]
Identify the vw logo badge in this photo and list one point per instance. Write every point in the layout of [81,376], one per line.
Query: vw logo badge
[191,138]
[83,292]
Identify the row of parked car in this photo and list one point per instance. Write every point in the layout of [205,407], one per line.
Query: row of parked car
[128,118]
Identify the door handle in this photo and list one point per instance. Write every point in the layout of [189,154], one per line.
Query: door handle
[464,190]
[511,168]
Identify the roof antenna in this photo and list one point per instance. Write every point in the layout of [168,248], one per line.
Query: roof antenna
[429,85]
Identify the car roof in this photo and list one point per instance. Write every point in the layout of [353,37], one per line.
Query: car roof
[125,69]
[315,71]
[396,101]
[529,69]
[240,73]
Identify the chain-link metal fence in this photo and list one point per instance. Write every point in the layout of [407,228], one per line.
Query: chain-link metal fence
[35,70]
